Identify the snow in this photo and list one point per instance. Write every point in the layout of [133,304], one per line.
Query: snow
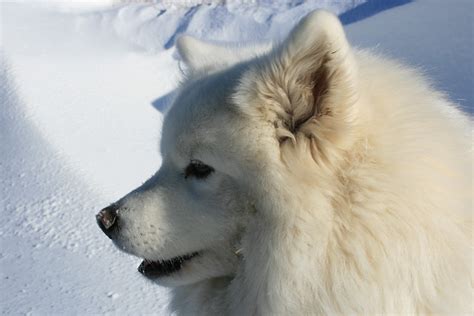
[435,36]
[82,89]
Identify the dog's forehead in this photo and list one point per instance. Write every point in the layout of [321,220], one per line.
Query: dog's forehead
[200,111]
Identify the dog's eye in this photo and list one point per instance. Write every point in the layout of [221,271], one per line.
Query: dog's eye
[198,170]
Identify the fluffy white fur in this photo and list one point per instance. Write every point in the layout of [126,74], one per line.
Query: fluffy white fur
[342,184]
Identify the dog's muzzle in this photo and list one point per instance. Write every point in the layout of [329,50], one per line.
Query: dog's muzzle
[107,220]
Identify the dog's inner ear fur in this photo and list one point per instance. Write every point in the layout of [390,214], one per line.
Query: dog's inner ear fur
[318,84]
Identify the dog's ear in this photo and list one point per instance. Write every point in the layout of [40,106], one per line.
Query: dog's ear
[307,86]
[199,55]
[196,53]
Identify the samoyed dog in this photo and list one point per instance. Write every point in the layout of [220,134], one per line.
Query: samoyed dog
[305,178]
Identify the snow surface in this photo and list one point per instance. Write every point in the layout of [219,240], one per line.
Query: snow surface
[82,90]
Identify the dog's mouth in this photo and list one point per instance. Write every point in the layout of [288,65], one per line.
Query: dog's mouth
[155,269]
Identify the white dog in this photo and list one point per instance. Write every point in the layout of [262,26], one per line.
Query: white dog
[308,178]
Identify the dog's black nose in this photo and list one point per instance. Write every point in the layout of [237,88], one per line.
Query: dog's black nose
[107,219]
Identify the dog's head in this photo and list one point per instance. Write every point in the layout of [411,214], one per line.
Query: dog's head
[245,124]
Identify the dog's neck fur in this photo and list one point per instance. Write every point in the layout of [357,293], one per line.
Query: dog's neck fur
[207,297]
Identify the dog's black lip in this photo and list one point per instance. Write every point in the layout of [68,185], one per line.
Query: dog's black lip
[155,269]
